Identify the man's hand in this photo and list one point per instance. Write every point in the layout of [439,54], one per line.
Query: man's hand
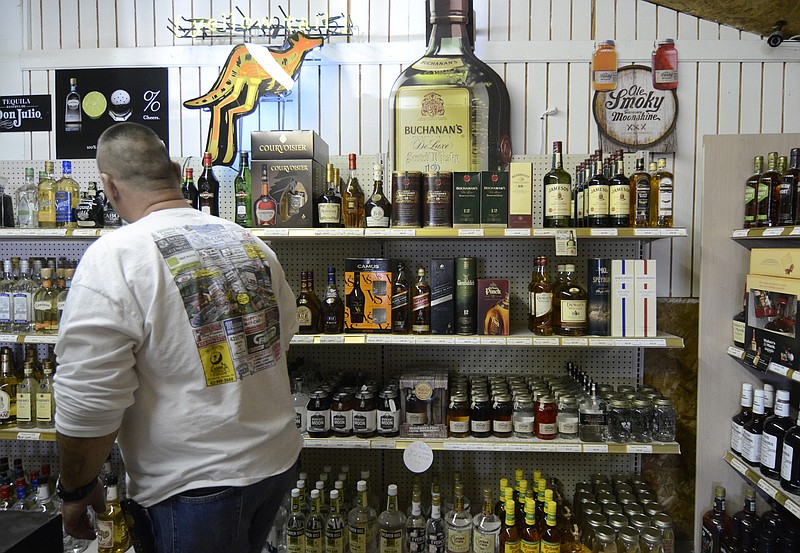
[76,517]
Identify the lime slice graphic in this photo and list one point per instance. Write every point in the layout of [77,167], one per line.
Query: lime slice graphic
[94,104]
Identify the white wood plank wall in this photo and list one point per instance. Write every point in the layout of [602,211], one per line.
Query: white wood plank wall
[730,81]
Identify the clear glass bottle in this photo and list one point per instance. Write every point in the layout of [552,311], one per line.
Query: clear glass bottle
[650,540]
[593,418]
[567,417]
[628,540]
[604,540]
[300,401]
[449,81]
[315,525]
[47,197]
[295,529]
[27,197]
[435,528]
[23,291]
[486,527]
[619,421]
[242,190]
[45,404]
[45,305]
[67,196]
[415,525]
[540,293]
[332,313]
[523,416]
[362,523]
[112,532]
[335,535]
[7,298]
[61,300]
[663,523]
[557,192]
[458,525]
[391,525]
[742,418]
[377,209]
[26,400]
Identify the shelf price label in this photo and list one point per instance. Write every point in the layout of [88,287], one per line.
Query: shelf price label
[738,465]
[517,232]
[569,448]
[637,448]
[767,487]
[792,507]
[470,232]
[303,339]
[733,351]
[595,448]
[773,231]
[28,435]
[740,233]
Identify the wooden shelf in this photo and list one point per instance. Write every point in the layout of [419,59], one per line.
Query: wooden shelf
[774,368]
[769,486]
[32,434]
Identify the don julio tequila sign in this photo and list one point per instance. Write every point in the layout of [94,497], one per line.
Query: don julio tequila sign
[635,116]
[25,113]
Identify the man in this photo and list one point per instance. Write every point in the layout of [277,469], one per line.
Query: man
[173,342]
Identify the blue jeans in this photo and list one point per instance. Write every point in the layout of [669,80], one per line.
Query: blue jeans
[216,520]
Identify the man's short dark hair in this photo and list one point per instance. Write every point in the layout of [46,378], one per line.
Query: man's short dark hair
[134,155]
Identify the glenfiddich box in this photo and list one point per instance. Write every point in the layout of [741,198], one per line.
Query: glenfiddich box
[645,300]
[295,163]
[520,195]
[494,199]
[771,319]
[493,315]
[467,200]
[466,304]
[442,301]
[779,262]
[423,394]
[368,294]
[622,298]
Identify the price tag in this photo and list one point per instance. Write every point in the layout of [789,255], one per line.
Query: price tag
[795,231]
[28,435]
[54,232]
[601,342]
[604,232]
[346,444]
[640,448]
[11,232]
[383,444]
[379,339]
[767,487]
[39,339]
[779,369]
[271,232]
[350,232]
[570,341]
[653,343]
[406,340]
[547,232]
[303,339]
[646,232]
[327,232]
[673,232]
[740,233]
[302,232]
[547,341]
[526,446]
[517,232]
[569,448]
[390,232]
[738,465]
[459,446]
[468,340]
[733,351]
[773,231]
[8,337]
[519,341]
[418,457]
[493,341]
[355,339]
[104,231]
[470,232]
[792,507]
[595,448]
[442,340]
[84,232]
[626,342]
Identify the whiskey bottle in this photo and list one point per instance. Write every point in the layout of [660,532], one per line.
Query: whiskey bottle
[740,324]
[577,197]
[356,301]
[242,190]
[329,204]
[557,192]
[531,539]
[653,215]
[777,192]
[793,173]
[742,418]
[746,522]
[315,525]
[551,537]
[362,527]
[353,198]
[189,190]
[790,459]
[540,316]
[27,197]
[391,525]
[640,196]
[47,197]
[509,536]
[788,189]
[26,404]
[775,429]
[377,209]
[569,306]
[588,172]
[717,525]
[766,184]
[308,314]
[751,191]
[421,305]
[112,532]
[265,208]
[67,196]
[208,188]
[8,392]
[619,193]
[401,304]
[468,99]
[752,431]
[597,190]
[295,528]
[332,314]
[664,183]
[45,405]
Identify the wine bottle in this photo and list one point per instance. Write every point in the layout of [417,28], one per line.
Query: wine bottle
[208,188]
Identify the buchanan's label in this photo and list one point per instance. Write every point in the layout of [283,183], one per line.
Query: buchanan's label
[559,196]
[432,126]
[438,64]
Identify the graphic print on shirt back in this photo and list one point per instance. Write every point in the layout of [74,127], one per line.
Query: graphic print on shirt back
[226,287]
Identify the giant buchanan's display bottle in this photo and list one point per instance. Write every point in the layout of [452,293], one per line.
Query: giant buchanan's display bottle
[449,110]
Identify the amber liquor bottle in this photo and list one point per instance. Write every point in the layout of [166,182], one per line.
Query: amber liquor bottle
[569,301]
[717,525]
[265,207]
[775,429]
[766,184]
[421,305]
[208,188]
[332,315]
[352,198]
[752,431]
[640,196]
[377,209]
[509,536]
[401,305]
[356,300]
[308,309]
[329,203]
[540,292]
[751,193]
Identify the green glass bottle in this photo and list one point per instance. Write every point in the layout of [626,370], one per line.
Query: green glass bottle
[243,192]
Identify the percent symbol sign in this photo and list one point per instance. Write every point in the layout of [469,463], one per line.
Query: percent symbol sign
[150,97]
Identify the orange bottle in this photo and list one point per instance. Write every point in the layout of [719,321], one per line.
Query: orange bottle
[604,66]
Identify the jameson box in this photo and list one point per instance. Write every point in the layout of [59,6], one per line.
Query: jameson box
[494,199]
[520,195]
[493,313]
[779,262]
[599,296]
[423,394]
[368,294]
[295,169]
[622,298]
[771,319]
[466,200]
[644,298]
[442,300]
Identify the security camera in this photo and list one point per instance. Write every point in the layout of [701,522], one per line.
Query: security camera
[776,36]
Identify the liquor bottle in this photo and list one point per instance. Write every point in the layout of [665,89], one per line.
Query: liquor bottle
[89,213]
[766,184]
[335,540]
[362,523]
[189,190]
[458,524]
[45,405]
[509,536]
[421,305]
[619,194]
[435,529]
[769,400]
[401,304]
[790,178]
[329,204]
[597,190]
[112,532]
[640,196]
[576,209]
[740,324]
[24,501]
[751,191]
[557,192]
[775,428]
[265,208]
[352,198]
[530,535]
[593,418]
[745,523]
[208,188]
[295,528]
[22,293]
[415,525]
[377,209]
[315,525]
[67,196]
[26,405]
[778,194]
[47,197]
[62,295]
[451,83]
[742,418]
[793,174]
[540,293]
[569,306]
[28,202]
[45,305]
[486,527]
[242,190]
[391,525]
[332,313]
[790,458]
[111,218]
[72,109]
[752,431]
[717,524]
[7,298]
[308,311]
[6,501]
[662,181]
[551,537]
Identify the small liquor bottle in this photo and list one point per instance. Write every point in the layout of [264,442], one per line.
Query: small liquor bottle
[421,305]
[332,315]
[664,183]
[242,190]
[401,304]
[619,191]
[569,301]
[775,429]
[189,190]
[112,532]
[308,314]
[640,196]
[766,184]
[356,300]
[742,418]
[377,210]
[717,525]
[752,431]
[486,527]
[790,460]
[208,188]
[266,210]
[597,189]
[751,190]
[329,203]
[540,316]
[557,192]
[352,198]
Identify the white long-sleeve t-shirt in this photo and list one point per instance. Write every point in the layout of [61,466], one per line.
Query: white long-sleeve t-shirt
[175,332]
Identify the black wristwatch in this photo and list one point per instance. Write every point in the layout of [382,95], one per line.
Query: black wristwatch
[75,495]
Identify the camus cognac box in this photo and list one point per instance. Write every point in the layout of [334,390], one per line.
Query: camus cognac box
[622,298]
[466,200]
[779,262]
[493,315]
[368,294]
[599,296]
[295,162]
[423,394]
[520,195]
[644,298]
[494,199]
[771,319]
[442,300]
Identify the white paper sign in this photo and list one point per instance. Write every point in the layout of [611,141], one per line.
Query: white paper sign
[418,457]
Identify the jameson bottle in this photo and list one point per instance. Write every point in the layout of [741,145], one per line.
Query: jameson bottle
[449,110]
[557,192]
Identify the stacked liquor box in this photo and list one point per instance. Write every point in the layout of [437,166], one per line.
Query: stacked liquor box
[423,395]
[295,163]
[633,298]
[368,294]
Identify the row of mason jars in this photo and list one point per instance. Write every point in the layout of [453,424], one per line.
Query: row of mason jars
[621,515]
[366,411]
[552,407]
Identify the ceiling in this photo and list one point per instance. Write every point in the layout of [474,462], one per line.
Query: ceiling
[757,17]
